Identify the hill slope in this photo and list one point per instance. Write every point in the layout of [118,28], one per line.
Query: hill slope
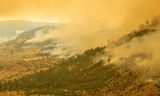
[117,69]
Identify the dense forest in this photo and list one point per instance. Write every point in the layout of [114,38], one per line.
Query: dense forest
[82,75]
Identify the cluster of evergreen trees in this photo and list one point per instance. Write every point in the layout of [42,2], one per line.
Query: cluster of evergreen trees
[85,74]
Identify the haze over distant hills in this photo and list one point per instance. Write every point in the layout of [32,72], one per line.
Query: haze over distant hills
[10,27]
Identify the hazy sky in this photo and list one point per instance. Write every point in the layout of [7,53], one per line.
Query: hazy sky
[109,11]
[86,17]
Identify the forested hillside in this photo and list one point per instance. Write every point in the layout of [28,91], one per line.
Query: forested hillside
[126,67]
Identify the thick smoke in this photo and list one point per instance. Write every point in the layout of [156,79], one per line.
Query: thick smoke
[148,44]
[43,35]
[78,35]
[92,23]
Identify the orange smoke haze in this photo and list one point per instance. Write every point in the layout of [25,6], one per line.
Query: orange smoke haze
[90,22]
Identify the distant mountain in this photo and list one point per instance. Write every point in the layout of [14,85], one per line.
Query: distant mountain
[27,39]
[12,27]
[27,35]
